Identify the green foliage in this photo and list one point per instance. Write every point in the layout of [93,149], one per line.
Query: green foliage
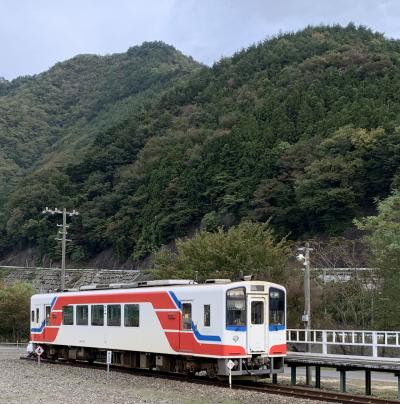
[384,230]
[60,119]
[348,304]
[249,248]
[15,311]
[300,130]
[383,238]
[210,221]
[332,185]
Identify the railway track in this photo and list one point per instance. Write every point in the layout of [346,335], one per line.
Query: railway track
[291,391]
[314,394]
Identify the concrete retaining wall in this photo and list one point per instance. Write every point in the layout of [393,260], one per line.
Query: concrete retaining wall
[45,279]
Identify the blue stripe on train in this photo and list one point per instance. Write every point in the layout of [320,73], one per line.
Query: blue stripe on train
[274,327]
[244,328]
[52,302]
[176,300]
[40,329]
[200,337]
[236,328]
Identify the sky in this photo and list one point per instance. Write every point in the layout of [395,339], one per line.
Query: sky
[36,34]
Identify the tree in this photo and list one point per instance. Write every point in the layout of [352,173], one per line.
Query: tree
[383,238]
[331,186]
[248,248]
[150,144]
[15,311]
[342,303]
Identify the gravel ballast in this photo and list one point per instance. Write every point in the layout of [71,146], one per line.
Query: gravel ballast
[24,381]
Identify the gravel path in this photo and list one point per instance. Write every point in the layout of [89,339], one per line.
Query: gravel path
[23,381]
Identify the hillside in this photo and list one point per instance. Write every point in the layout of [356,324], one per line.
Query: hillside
[53,116]
[301,129]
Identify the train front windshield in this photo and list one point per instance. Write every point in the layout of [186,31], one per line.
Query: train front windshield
[236,307]
[276,307]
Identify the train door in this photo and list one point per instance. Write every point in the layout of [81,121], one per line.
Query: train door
[47,311]
[256,336]
[186,338]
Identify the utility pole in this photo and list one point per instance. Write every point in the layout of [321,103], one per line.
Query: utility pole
[305,259]
[63,239]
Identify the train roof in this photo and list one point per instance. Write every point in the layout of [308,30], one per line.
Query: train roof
[159,284]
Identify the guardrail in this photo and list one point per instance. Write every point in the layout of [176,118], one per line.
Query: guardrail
[371,345]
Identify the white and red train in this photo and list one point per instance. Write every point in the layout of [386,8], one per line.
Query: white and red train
[175,326]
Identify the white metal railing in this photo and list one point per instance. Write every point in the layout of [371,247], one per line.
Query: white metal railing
[373,343]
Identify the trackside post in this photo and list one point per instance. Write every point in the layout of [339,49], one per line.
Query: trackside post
[230,366]
[39,350]
[109,360]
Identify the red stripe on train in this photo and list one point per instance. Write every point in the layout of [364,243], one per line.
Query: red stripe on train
[186,342]
[278,349]
[159,300]
[56,318]
[170,320]
[47,335]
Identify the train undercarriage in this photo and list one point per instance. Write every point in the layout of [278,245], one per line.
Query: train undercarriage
[253,367]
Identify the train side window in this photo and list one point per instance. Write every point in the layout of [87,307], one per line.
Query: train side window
[47,316]
[68,315]
[97,314]
[131,315]
[37,316]
[82,315]
[207,315]
[236,307]
[257,312]
[276,306]
[33,316]
[114,315]
[186,316]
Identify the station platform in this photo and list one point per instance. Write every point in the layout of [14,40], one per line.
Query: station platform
[342,364]
[303,359]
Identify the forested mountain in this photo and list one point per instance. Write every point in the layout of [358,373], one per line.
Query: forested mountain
[54,115]
[301,129]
